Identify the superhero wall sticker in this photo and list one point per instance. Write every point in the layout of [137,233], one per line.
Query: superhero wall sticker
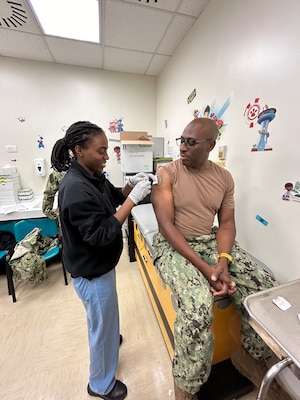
[254,114]
[215,113]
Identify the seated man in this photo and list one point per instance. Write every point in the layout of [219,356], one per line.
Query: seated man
[199,261]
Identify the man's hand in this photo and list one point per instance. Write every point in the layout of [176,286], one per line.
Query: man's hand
[220,280]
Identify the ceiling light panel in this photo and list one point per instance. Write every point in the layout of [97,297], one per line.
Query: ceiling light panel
[73,19]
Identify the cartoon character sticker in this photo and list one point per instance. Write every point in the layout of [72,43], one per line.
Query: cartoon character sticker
[117,150]
[291,193]
[120,124]
[257,114]
[116,125]
[251,112]
[263,119]
[215,113]
[41,142]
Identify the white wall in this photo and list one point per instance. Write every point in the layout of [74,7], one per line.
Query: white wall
[51,97]
[246,50]
[237,49]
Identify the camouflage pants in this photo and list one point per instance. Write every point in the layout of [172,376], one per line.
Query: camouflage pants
[193,338]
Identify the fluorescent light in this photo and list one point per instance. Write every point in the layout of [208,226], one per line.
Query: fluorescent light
[73,19]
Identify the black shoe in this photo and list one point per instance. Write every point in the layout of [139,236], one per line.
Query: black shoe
[121,339]
[118,392]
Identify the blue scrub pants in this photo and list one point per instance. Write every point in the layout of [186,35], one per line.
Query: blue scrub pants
[99,297]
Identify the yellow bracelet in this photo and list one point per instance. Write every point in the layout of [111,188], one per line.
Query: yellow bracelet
[226,255]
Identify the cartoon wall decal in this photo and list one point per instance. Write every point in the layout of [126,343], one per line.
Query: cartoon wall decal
[41,142]
[221,163]
[120,125]
[291,193]
[117,150]
[116,125]
[251,112]
[255,113]
[191,96]
[214,112]
[206,112]
[262,220]
[113,126]
[263,119]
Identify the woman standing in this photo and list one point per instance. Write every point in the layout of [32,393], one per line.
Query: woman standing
[93,243]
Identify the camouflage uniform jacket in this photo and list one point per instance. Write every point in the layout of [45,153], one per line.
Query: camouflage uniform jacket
[27,261]
[50,191]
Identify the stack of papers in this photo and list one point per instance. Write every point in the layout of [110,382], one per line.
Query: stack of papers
[9,186]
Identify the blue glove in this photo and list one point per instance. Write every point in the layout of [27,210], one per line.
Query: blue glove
[140,191]
[133,180]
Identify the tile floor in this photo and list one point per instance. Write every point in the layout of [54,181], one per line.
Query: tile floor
[43,341]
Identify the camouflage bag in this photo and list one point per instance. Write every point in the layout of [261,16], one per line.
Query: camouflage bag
[30,267]
[27,261]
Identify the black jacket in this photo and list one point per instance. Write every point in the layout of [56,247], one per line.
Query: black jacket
[92,236]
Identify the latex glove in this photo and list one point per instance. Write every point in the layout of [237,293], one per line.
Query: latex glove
[133,180]
[153,179]
[140,191]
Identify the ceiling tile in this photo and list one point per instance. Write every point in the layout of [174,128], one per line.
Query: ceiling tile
[192,7]
[169,5]
[179,27]
[136,36]
[157,64]
[133,27]
[24,45]
[75,52]
[127,61]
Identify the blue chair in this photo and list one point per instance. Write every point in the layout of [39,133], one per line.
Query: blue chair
[10,283]
[8,227]
[48,228]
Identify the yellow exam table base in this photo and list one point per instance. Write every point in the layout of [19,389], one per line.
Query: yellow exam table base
[226,325]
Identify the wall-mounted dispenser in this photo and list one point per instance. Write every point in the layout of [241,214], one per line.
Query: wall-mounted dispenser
[40,166]
[222,152]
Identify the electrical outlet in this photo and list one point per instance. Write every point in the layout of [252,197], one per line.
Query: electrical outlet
[11,148]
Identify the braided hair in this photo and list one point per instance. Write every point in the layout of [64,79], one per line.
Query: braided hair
[78,134]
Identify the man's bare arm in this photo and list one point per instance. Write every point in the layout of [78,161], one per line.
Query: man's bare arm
[162,200]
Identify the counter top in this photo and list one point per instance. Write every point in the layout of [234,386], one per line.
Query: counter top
[279,329]
[23,210]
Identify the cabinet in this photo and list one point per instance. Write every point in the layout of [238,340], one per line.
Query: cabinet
[226,325]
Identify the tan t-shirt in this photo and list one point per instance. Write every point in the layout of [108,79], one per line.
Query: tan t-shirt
[198,196]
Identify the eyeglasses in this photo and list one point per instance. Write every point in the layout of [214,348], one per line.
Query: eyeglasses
[190,143]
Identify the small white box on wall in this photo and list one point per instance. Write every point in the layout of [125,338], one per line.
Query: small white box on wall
[222,152]
[40,166]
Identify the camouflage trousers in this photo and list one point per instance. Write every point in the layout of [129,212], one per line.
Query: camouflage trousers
[193,337]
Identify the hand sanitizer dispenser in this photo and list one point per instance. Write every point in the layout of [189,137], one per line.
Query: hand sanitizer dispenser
[40,166]
[222,152]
